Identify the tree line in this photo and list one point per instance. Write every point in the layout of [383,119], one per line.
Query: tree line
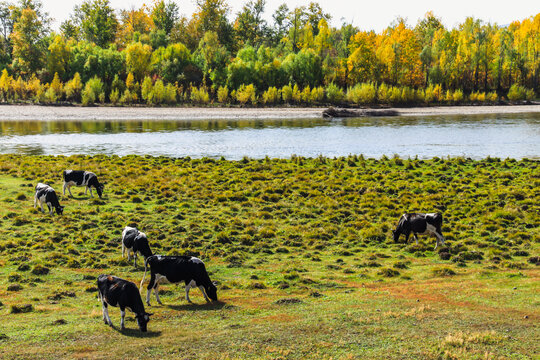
[155,55]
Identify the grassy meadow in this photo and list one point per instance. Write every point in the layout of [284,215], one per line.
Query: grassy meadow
[302,251]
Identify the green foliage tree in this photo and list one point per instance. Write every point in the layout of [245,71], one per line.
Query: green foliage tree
[165,15]
[98,22]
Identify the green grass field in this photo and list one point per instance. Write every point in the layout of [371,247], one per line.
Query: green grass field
[302,251]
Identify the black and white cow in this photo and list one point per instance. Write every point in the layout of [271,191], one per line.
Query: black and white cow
[82,178]
[419,223]
[175,269]
[135,242]
[124,294]
[46,195]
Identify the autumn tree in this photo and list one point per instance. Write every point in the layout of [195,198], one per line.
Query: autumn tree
[58,57]
[134,22]
[138,58]
[28,50]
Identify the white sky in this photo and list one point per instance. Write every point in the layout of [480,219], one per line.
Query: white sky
[366,14]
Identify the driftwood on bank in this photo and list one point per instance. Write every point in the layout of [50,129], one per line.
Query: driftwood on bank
[342,112]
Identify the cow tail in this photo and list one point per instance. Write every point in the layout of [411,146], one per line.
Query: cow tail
[145,266]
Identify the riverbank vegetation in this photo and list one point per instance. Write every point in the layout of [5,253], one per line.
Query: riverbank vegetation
[154,56]
[302,250]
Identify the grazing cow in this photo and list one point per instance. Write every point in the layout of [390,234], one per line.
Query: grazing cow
[124,294]
[46,194]
[176,269]
[135,241]
[418,223]
[82,178]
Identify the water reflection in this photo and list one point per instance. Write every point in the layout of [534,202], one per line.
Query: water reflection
[503,136]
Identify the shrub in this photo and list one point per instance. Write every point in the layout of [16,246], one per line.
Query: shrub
[317,94]
[246,93]
[429,95]
[438,93]
[170,94]
[127,97]
[492,97]
[88,96]
[73,88]
[56,86]
[530,95]
[457,96]
[271,96]
[223,94]
[199,95]
[395,95]
[94,89]
[158,94]
[286,93]
[334,94]
[305,95]
[146,90]
[383,94]
[114,96]
[362,94]
[517,93]
[296,94]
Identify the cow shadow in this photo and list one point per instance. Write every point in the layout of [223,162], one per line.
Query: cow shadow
[136,333]
[216,305]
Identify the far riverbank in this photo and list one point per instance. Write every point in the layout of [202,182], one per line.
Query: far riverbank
[50,113]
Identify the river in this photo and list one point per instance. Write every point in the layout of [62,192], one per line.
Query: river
[475,136]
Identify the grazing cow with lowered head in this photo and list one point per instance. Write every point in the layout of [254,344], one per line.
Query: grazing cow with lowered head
[82,178]
[419,223]
[124,294]
[136,242]
[46,194]
[176,269]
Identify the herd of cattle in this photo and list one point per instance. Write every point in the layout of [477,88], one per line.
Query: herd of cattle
[124,294]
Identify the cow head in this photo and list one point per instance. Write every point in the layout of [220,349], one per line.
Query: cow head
[59,210]
[211,291]
[142,320]
[99,189]
[395,235]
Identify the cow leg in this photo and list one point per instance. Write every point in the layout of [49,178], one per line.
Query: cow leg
[123,314]
[439,238]
[50,209]
[129,256]
[64,188]
[150,287]
[123,248]
[204,293]
[41,205]
[106,316]
[90,189]
[69,189]
[135,259]
[35,202]
[156,291]
[188,286]
[415,238]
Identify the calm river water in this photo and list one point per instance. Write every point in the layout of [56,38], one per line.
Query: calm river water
[515,136]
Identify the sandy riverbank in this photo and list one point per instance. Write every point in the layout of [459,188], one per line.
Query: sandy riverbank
[36,112]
